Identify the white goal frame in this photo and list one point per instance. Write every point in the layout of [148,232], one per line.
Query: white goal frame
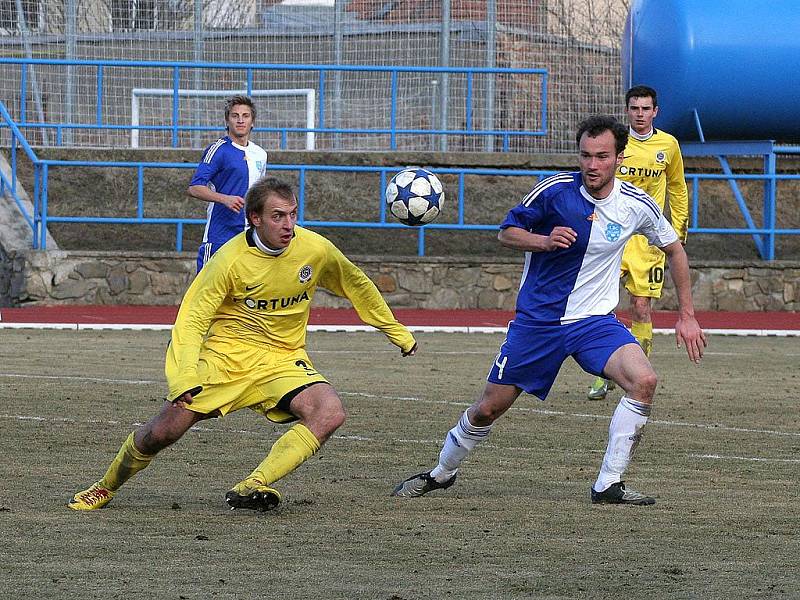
[309,93]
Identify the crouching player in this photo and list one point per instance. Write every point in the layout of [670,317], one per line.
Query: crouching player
[238,342]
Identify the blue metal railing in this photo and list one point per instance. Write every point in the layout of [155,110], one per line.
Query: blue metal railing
[323,73]
[41,216]
[455,197]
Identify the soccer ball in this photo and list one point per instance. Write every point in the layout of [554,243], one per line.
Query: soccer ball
[415,196]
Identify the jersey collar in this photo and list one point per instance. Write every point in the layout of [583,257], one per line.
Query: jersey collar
[254,241]
[641,138]
[611,195]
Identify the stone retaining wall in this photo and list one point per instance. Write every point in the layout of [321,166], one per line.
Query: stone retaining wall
[89,277]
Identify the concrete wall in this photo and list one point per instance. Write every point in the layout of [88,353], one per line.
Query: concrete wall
[160,278]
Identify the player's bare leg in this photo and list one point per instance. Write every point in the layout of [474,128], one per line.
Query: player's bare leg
[631,370]
[321,413]
[473,427]
[136,453]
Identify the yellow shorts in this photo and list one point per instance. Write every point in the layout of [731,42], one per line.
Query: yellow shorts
[251,377]
[643,265]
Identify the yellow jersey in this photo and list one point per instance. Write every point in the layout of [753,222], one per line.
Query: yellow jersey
[656,166]
[246,297]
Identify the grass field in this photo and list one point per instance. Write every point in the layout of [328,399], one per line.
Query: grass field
[721,454]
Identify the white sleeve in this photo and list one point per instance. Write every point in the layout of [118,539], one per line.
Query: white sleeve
[657,230]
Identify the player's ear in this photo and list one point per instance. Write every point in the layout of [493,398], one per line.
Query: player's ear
[655,111]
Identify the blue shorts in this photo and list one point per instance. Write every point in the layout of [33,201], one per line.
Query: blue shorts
[532,355]
[204,253]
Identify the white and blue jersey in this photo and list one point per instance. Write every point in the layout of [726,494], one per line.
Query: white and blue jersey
[227,168]
[568,284]
[566,295]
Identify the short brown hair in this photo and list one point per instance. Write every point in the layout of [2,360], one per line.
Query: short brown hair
[261,190]
[239,99]
[640,91]
[597,124]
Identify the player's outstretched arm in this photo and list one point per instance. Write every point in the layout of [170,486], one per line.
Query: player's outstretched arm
[687,330]
[521,239]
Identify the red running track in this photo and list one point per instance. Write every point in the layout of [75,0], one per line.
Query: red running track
[165,315]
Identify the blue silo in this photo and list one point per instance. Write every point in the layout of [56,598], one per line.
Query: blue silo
[735,62]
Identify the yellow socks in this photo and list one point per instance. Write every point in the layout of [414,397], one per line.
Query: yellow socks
[643,332]
[125,465]
[290,451]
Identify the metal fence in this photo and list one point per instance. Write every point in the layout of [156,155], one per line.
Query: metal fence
[165,113]
[575,41]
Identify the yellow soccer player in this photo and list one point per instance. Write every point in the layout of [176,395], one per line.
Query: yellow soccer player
[653,162]
[239,342]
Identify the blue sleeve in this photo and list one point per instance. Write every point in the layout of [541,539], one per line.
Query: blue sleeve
[210,165]
[524,216]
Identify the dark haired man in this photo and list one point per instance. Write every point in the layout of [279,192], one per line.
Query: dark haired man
[228,168]
[239,342]
[573,228]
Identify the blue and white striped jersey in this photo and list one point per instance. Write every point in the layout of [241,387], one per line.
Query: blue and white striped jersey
[573,283]
[231,169]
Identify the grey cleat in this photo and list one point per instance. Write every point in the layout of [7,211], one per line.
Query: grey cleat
[618,494]
[419,485]
[600,389]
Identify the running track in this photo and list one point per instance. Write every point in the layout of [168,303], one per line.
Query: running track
[158,317]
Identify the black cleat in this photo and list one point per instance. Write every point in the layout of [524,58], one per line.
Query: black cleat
[419,485]
[617,494]
[253,497]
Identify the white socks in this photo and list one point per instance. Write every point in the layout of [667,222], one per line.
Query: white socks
[459,441]
[624,434]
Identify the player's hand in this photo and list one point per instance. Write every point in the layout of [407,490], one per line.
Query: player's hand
[411,352]
[235,203]
[561,237]
[185,399]
[688,333]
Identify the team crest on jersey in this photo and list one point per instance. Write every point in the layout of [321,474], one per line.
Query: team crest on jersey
[613,231]
[305,274]
[260,164]
[661,156]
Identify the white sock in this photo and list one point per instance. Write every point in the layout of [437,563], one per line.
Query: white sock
[624,434]
[459,441]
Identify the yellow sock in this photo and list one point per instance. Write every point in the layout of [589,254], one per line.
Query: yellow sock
[125,465]
[290,451]
[643,332]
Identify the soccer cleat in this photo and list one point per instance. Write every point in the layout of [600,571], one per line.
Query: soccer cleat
[600,388]
[91,499]
[253,495]
[618,494]
[419,485]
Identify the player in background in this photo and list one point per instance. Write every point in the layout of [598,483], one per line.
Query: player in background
[228,168]
[652,162]
[573,228]
[239,342]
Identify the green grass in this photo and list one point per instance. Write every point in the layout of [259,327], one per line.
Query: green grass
[721,455]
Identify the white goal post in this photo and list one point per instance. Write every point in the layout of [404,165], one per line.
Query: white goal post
[309,93]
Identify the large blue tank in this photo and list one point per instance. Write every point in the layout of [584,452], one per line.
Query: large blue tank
[736,62]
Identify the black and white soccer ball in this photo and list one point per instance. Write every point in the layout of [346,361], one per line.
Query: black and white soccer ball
[415,196]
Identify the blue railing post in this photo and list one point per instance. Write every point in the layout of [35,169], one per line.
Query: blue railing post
[769,202]
[37,192]
[99,110]
[393,113]
[179,236]
[176,84]
[43,232]
[140,191]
